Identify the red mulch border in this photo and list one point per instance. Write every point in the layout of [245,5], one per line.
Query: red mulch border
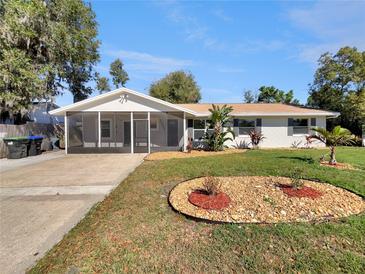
[303,192]
[210,202]
[338,165]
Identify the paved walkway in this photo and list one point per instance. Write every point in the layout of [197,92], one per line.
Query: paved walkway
[41,200]
[8,164]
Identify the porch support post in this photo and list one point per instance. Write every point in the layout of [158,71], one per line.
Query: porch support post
[132,141]
[99,130]
[66,133]
[185,142]
[149,131]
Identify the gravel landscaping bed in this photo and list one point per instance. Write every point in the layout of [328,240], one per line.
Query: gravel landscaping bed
[257,199]
[164,155]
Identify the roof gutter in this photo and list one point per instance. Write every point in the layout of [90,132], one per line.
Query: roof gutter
[276,114]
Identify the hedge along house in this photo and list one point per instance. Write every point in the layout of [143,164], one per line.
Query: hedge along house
[126,121]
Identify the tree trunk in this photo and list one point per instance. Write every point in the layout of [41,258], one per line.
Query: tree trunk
[332,156]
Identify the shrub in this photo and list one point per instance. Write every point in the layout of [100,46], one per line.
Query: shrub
[296,178]
[296,144]
[211,185]
[256,138]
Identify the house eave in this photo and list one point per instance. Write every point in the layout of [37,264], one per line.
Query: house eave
[278,114]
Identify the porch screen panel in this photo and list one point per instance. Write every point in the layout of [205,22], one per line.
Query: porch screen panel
[167,133]
[115,132]
[123,132]
[74,130]
[83,136]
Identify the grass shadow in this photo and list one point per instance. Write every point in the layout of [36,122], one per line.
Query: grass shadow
[307,159]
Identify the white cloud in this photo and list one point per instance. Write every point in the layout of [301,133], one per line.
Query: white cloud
[333,23]
[222,15]
[145,62]
[195,31]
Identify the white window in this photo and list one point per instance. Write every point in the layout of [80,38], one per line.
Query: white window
[300,127]
[106,128]
[199,129]
[245,127]
[154,124]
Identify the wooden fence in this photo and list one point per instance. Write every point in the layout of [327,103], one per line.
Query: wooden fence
[45,130]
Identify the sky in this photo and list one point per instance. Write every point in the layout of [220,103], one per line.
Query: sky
[229,46]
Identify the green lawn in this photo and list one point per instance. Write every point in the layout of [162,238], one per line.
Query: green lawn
[135,230]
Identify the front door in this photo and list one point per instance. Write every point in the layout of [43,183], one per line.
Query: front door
[172,133]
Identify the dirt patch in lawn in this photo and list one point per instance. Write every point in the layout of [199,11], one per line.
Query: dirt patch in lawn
[164,155]
[338,165]
[256,199]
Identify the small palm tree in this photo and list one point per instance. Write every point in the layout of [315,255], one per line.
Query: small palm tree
[219,117]
[338,136]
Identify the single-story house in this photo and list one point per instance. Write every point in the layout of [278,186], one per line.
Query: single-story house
[126,121]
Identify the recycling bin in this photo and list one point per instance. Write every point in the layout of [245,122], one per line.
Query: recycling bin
[35,143]
[17,147]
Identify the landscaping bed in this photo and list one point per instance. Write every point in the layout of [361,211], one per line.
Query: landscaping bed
[135,230]
[164,155]
[258,199]
[338,165]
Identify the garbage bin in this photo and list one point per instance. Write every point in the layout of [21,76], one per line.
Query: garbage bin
[35,143]
[17,147]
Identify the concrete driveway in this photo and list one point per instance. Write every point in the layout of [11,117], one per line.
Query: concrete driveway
[41,201]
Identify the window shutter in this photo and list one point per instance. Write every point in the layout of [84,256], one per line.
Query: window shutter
[235,122]
[313,122]
[258,122]
[290,126]
[190,123]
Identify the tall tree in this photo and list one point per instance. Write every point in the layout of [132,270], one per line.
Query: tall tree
[119,75]
[176,87]
[75,29]
[274,95]
[43,44]
[339,85]
[102,84]
[249,97]
[24,58]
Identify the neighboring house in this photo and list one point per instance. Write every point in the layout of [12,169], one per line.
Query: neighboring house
[39,113]
[125,121]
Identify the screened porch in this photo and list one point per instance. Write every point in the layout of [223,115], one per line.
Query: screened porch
[124,132]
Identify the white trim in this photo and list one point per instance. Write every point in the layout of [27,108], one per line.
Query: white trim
[66,133]
[132,141]
[99,130]
[75,106]
[275,114]
[149,131]
[184,133]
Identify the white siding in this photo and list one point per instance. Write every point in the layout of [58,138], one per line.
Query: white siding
[275,131]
